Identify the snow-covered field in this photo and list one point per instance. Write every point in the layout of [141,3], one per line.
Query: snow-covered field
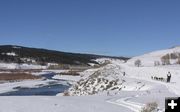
[125,101]
[58,104]
[106,89]
[20,66]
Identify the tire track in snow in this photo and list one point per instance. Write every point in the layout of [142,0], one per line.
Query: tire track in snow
[124,102]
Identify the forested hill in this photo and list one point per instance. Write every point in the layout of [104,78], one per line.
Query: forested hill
[20,54]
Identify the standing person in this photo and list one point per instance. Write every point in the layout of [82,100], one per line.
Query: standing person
[168,77]
[108,93]
[124,73]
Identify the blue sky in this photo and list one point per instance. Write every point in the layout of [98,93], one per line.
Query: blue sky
[110,27]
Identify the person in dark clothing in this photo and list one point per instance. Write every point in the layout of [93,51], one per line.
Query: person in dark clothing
[124,73]
[168,77]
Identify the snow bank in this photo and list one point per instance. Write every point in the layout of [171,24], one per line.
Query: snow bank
[20,66]
[107,78]
[67,77]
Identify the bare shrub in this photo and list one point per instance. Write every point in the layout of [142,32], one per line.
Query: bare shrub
[174,55]
[156,63]
[178,61]
[66,93]
[165,60]
[137,63]
[150,107]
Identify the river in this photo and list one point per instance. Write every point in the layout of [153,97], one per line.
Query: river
[51,89]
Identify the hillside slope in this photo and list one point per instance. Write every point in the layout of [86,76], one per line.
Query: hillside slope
[19,54]
[149,58]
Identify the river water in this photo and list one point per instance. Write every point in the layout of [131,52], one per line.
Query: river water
[51,89]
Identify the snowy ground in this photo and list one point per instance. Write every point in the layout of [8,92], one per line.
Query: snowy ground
[125,101]
[58,104]
[129,99]
[145,73]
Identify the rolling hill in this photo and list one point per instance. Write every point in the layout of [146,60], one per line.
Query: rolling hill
[172,55]
[20,54]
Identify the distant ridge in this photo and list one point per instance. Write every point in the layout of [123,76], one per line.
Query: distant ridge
[20,54]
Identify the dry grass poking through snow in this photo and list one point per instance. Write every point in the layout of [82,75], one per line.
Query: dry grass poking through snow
[150,107]
[17,76]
